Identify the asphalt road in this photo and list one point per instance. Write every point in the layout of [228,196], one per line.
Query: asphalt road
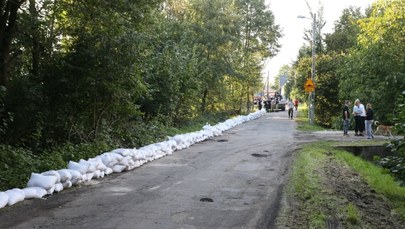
[232,181]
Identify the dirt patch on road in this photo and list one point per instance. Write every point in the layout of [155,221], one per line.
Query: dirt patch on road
[345,200]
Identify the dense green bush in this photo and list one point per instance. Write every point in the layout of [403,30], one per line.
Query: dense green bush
[396,163]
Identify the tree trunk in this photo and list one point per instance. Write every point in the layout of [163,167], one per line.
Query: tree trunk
[8,19]
[204,100]
[35,52]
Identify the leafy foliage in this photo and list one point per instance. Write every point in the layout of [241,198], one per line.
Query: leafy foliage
[363,58]
[104,71]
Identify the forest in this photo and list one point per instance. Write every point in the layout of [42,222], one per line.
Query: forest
[81,77]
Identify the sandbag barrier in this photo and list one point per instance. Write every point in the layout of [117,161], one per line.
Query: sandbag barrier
[115,161]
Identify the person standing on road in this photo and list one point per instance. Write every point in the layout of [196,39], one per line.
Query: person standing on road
[357,117]
[259,104]
[369,121]
[290,106]
[346,118]
[362,119]
[296,104]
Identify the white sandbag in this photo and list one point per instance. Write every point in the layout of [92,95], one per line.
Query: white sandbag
[108,171]
[136,164]
[52,173]
[122,151]
[91,167]
[14,196]
[39,180]
[107,158]
[98,163]
[67,184]
[111,164]
[82,168]
[139,155]
[76,176]
[34,192]
[89,176]
[64,175]
[118,168]
[131,164]
[125,161]
[58,187]
[51,190]
[98,174]
[3,199]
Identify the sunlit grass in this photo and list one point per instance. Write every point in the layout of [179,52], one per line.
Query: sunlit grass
[303,121]
[353,216]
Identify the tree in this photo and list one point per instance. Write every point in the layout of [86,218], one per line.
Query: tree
[346,29]
[374,72]
[8,23]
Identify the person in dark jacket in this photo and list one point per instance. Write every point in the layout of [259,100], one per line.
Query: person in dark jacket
[346,118]
[369,121]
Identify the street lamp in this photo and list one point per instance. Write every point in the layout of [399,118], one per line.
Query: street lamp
[311,110]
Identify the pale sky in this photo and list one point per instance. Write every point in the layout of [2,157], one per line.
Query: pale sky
[286,12]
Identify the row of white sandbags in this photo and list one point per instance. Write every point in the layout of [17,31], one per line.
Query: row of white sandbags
[118,160]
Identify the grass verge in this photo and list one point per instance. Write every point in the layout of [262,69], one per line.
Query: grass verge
[303,122]
[378,178]
[320,172]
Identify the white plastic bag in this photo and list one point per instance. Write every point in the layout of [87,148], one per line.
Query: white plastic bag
[67,184]
[58,187]
[82,168]
[15,195]
[39,180]
[3,199]
[52,173]
[118,168]
[65,175]
[34,192]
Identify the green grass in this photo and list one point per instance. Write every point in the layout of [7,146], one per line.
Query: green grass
[307,185]
[303,121]
[378,179]
[353,216]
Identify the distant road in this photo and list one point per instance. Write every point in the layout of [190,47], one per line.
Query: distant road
[232,181]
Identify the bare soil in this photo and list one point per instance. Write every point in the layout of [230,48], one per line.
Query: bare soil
[342,185]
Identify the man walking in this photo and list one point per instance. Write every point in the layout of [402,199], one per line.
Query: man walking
[290,106]
[346,118]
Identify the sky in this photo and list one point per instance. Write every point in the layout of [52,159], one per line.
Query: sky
[286,12]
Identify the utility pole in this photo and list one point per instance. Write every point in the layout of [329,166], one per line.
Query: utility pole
[312,94]
[311,97]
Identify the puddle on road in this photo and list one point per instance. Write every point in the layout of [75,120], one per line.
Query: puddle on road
[206,199]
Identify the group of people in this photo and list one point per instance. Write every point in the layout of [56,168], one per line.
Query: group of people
[268,103]
[363,118]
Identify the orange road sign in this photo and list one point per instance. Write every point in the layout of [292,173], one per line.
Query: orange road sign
[309,86]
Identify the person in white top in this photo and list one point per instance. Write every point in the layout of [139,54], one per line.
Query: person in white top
[359,112]
[362,120]
[290,107]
